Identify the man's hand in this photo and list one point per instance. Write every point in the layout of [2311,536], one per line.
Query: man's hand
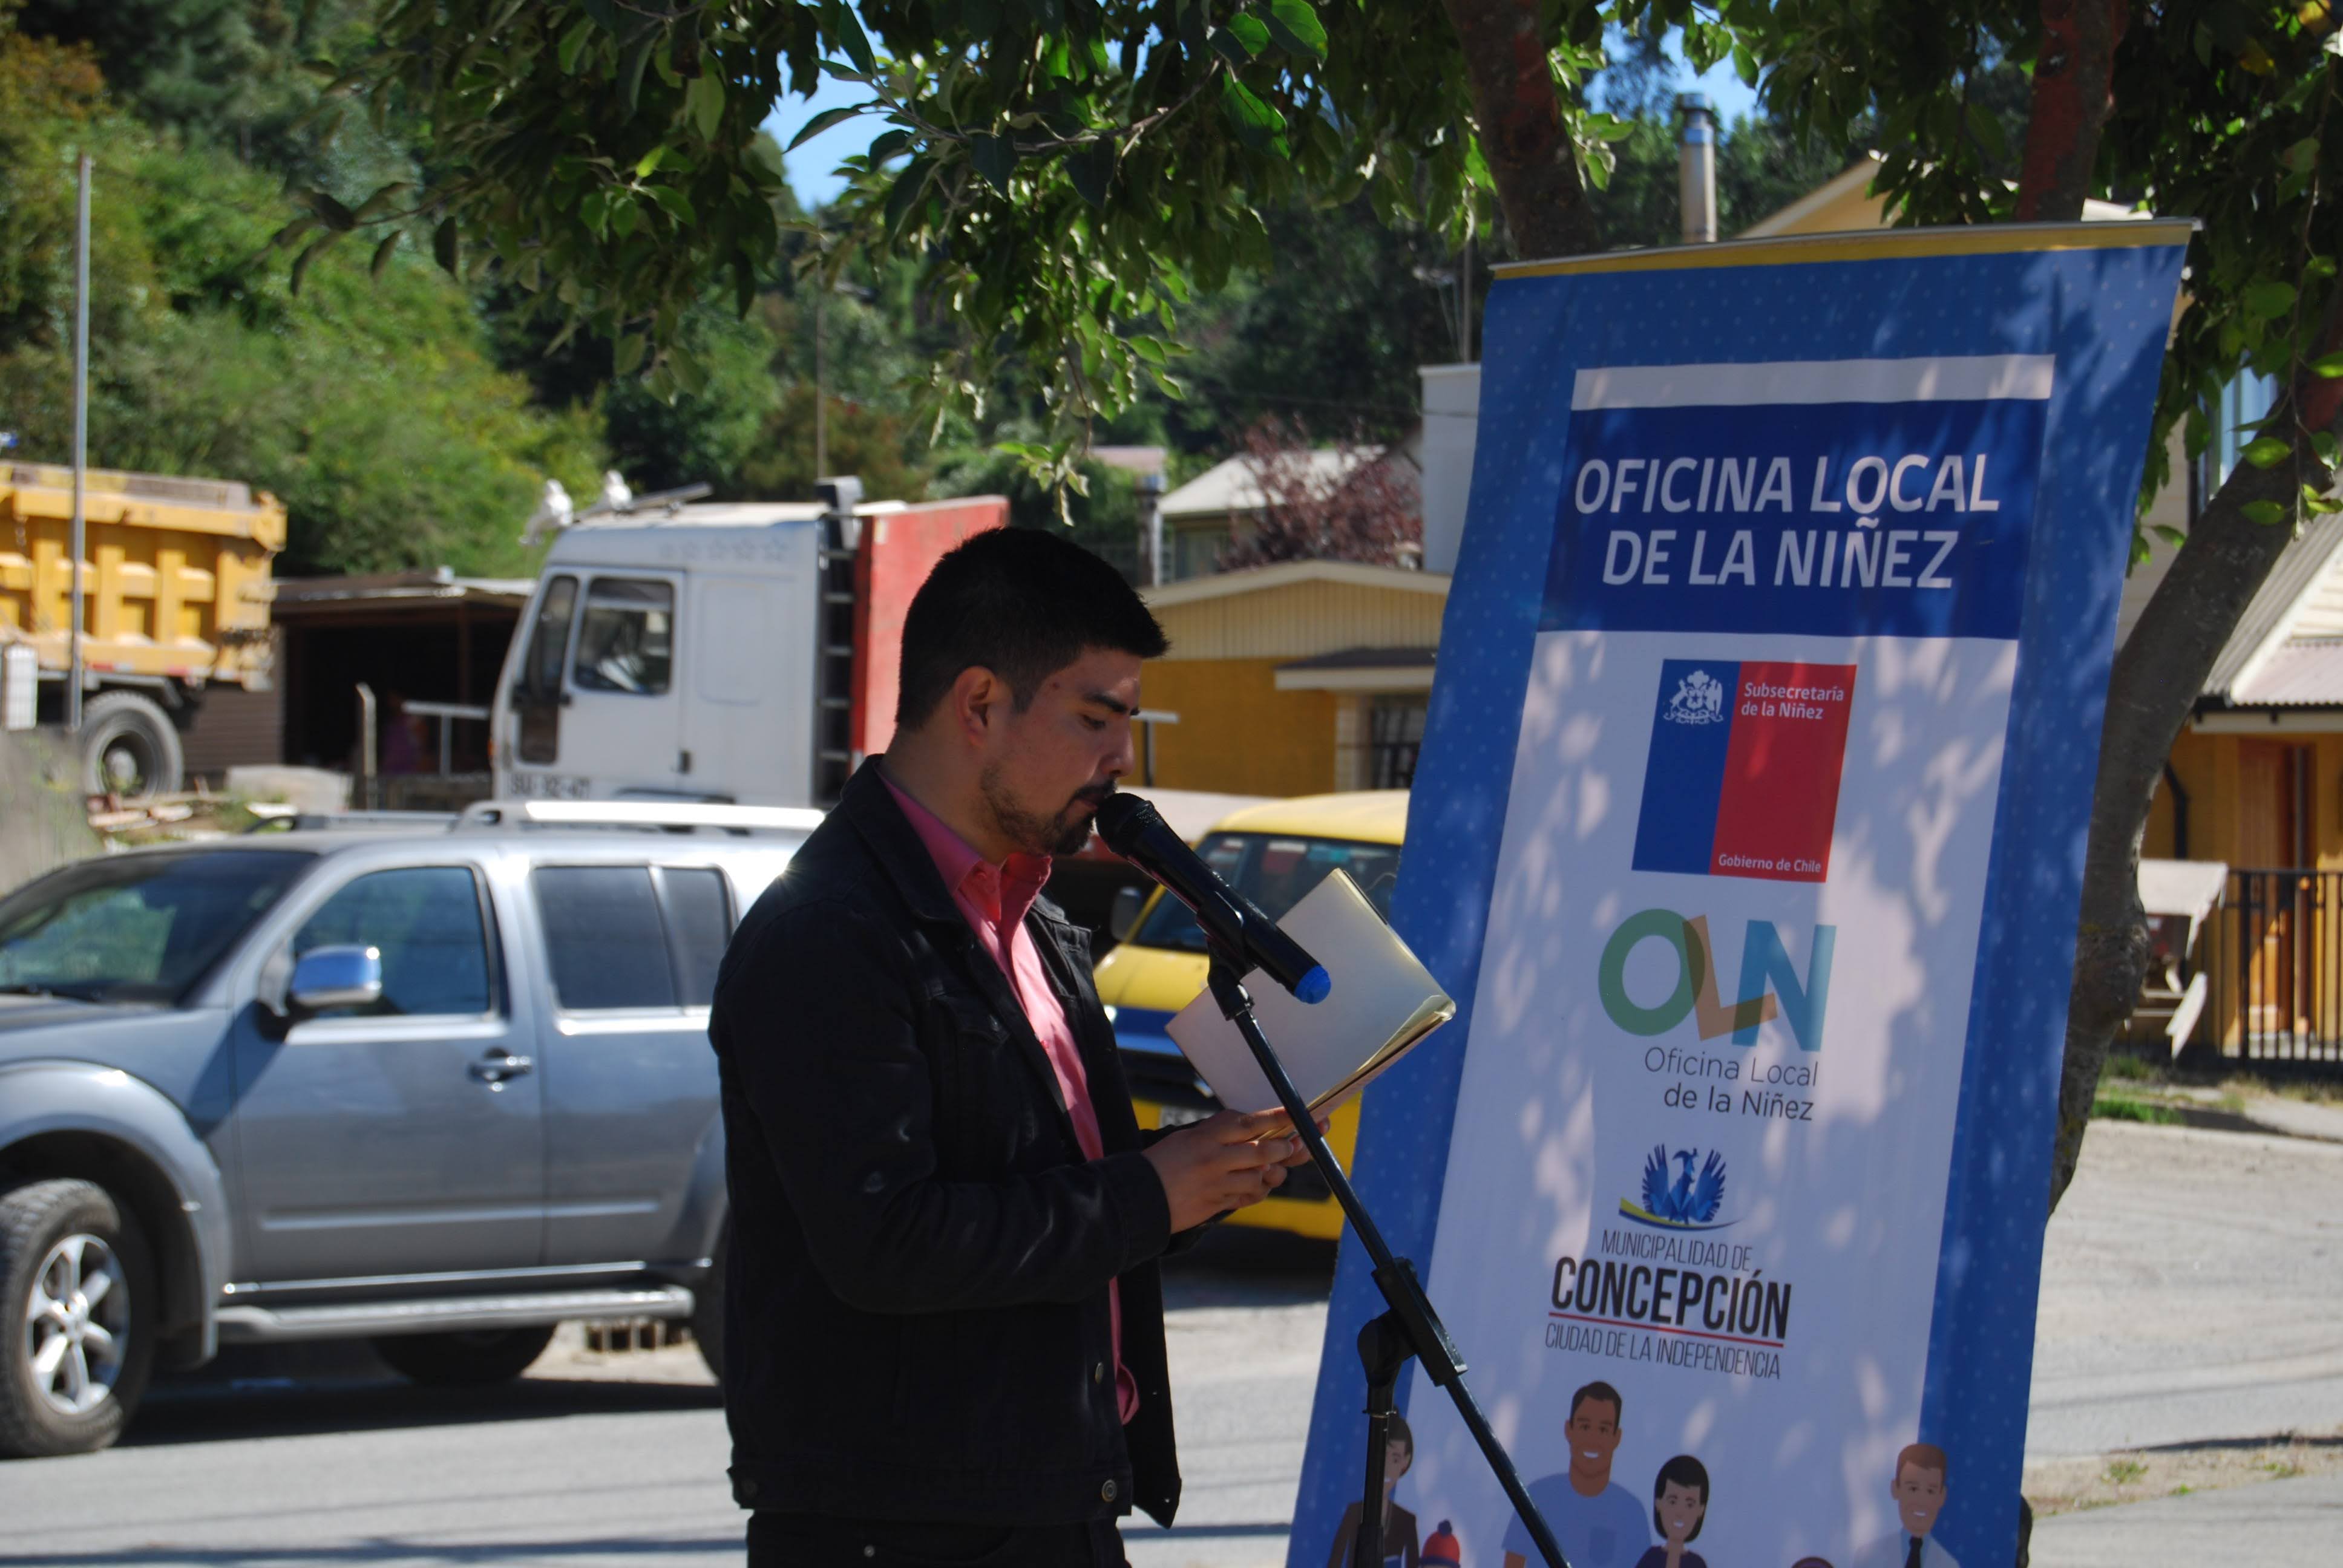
[1222,1163]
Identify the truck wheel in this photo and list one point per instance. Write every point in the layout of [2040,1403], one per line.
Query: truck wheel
[469,1359]
[708,1307]
[77,1319]
[128,746]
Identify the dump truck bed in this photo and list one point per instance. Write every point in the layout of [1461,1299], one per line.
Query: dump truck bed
[175,579]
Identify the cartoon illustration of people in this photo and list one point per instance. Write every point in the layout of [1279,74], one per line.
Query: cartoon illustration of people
[1442,1549]
[1918,1489]
[1399,1524]
[1598,1525]
[1679,1508]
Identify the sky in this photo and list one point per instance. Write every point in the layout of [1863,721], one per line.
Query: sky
[810,166]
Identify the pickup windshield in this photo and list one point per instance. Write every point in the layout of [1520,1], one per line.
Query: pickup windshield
[1274,871]
[136,928]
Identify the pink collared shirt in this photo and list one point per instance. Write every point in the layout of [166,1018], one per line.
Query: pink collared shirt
[993,900]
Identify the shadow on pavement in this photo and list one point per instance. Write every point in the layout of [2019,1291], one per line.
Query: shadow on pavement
[301,1391]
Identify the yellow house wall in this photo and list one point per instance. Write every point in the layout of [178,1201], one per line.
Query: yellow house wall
[1237,733]
[1299,620]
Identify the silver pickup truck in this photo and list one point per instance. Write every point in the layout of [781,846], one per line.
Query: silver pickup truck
[438,1087]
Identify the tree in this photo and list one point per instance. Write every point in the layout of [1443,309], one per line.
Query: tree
[1365,505]
[1065,172]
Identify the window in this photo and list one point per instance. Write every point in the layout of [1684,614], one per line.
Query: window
[136,928]
[630,937]
[1274,872]
[1395,736]
[539,697]
[603,935]
[699,919]
[626,638]
[428,924]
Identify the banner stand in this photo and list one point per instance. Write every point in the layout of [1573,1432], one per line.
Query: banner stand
[1408,1328]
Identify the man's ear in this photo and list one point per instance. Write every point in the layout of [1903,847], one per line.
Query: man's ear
[979,699]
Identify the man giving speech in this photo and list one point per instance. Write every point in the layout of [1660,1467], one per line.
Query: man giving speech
[944,1317]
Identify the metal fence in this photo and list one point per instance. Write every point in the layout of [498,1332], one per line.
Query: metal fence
[2274,952]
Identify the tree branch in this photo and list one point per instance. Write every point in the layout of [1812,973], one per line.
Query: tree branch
[1518,115]
[2069,111]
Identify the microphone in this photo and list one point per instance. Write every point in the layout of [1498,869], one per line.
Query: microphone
[1234,924]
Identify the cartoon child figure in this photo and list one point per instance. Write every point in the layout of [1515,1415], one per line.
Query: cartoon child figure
[1679,1507]
[1918,1489]
[1399,1524]
[1597,1522]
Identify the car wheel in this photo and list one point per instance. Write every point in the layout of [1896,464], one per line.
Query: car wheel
[128,746]
[77,1309]
[707,1308]
[466,1360]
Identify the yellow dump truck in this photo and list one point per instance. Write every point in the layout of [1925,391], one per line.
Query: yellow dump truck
[176,596]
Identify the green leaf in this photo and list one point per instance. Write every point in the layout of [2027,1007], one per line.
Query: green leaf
[994,158]
[703,100]
[573,44]
[678,205]
[2267,452]
[2329,448]
[335,216]
[650,161]
[888,144]
[1258,125]
[628,354]
[909,186]
[1296,28]
[2267,513]
[843,27]
[2268,299]
[444,247]
[382,252]
[301,262]
[1250,31]
[2169,535]
[625,215]
[630,67]
[2328,364]
[822,122]
[1091,169]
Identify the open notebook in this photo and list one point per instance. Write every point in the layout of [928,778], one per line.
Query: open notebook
[1382,1003]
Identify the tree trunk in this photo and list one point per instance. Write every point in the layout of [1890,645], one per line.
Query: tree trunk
[2158,673]
[2070,105]
[1518,116]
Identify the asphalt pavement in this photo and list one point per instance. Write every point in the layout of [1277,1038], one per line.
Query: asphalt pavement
[2188,1295]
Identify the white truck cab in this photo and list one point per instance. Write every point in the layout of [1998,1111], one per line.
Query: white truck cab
[718,651]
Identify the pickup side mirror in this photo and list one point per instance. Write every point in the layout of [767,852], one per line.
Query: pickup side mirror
[328,978]
[1123,915]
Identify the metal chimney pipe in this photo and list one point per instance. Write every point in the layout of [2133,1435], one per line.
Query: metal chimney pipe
[1696,168]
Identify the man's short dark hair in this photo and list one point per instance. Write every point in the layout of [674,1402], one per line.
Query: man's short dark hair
[1023,603]
[1598,1391]
[1401,1433]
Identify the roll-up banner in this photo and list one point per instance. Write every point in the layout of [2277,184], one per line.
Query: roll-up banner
[1750,820]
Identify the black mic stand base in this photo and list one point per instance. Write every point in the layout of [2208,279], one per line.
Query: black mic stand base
[1409,1327]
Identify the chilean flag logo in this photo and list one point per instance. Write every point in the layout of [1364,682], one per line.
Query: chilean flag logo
[1744,772]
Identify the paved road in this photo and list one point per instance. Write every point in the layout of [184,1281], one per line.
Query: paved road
[2189,1295]
[343,1466]
[2190,1292]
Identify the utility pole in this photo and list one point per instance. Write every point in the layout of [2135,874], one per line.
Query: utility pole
[79,543]
[821,380]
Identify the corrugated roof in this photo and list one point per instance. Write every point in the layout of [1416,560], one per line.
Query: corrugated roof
[1368,658]
[2273,608]
[2304,674]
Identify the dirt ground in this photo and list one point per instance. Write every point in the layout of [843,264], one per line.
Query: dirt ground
[2133,1475]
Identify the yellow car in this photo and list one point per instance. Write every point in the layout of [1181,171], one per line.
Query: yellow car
[1274,854]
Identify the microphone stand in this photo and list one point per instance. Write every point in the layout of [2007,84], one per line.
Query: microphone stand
[1409,1326]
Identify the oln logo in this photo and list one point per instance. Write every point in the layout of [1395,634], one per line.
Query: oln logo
[1769,986]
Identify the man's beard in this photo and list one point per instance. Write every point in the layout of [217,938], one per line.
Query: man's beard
[1065,833]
